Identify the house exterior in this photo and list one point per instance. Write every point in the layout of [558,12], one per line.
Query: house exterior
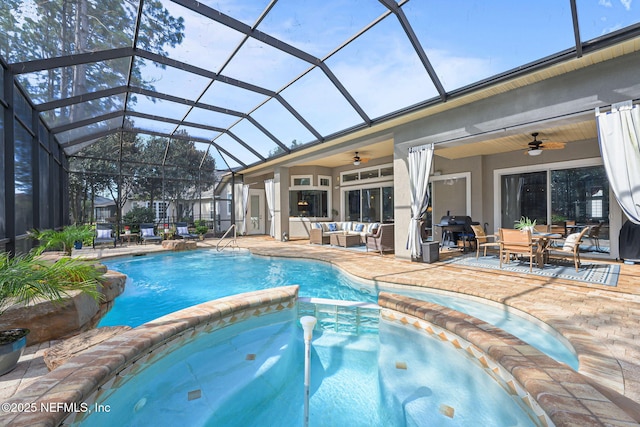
[480,168]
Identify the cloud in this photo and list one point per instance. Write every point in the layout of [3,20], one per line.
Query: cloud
[626,4]
[605,3]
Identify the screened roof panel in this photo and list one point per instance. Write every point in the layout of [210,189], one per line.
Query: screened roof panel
[381,79]
[84,110]
[265,66]
[488,37]
[232,97]
[255,138]
[236,149]
[337,64]
[82,132]
[245,11]
[282,124]
[198,133]
[321,104]
[332,22]
[211,118]
[600,18]
[170,80]
[47,30]
[206,43]
[49,85]
[159,107]
[143,124]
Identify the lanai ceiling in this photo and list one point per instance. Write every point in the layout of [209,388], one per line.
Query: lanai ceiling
[251,80]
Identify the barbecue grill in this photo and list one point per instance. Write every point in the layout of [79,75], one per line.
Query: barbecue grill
[456,227]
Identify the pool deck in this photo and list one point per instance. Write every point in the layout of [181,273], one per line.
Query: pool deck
[601,322]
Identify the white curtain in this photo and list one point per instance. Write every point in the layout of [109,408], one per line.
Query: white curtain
[419,168]
[269,189]
[245,206]
[619,136]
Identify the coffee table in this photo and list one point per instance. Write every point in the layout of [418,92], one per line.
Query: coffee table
[344,240]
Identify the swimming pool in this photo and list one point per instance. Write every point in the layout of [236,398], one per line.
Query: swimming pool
[162,283]
[250,374]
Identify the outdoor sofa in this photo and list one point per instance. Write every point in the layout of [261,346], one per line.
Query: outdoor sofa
[321,232]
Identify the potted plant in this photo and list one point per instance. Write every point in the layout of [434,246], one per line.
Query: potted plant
[26,278]
[201,228]
[69,237]
[525,223]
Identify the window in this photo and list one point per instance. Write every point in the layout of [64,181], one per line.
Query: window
[299,181]
[308,203]
[369,204]
[350,177]
[160,209]
[324,181]
[377,173]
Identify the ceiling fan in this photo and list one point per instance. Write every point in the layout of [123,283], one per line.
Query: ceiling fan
[357,160]
[536,146]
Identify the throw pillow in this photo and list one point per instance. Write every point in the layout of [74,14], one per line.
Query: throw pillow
[147,232]
[104,234]
[570,241]
[333,226]
[359,228]
[182,230]
[317,225]
[372,227]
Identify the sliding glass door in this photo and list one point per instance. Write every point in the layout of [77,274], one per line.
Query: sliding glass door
[568,199]
[369,204]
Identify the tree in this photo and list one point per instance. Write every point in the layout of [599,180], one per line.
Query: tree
[49,29]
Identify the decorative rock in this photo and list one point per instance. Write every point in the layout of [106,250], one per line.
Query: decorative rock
[179,245]
[59,353]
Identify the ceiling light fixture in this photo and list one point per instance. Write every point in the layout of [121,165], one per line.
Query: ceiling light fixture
[534,152]
[356,160]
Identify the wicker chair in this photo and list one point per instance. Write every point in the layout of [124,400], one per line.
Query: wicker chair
[382,240]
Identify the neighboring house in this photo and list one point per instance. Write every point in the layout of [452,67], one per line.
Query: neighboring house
[104,209]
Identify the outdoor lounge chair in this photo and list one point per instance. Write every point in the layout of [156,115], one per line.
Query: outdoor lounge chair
[182,231]
[570,248]
[104,234]
[382,240]
[147,234]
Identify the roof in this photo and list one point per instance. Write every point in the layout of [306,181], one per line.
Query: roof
[252,80]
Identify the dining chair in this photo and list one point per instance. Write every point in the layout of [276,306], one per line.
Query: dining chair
[484,241]
[570,247]
[518,242]
[594,235]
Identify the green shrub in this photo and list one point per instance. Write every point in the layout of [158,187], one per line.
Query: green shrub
[63,239]
[201,226]
[138,215]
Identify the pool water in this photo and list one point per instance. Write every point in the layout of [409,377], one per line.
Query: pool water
[159,284]
[355,381]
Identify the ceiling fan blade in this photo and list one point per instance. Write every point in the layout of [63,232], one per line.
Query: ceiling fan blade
[552,145]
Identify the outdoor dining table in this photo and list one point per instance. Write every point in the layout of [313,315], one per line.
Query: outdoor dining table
[544,241]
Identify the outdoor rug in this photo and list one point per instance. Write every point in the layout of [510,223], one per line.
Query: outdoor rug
[589,272]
